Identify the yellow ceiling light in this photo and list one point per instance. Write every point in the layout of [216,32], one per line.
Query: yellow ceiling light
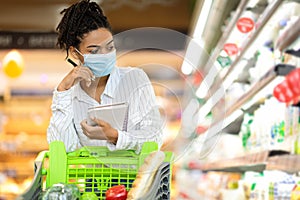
[13,64]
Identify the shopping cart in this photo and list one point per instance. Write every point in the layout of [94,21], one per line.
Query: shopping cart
[96,169]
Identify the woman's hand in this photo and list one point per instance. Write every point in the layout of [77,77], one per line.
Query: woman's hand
[76,75]
[102,131]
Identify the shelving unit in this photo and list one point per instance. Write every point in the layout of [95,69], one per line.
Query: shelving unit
[252,162]
[265,160]
[262,21]
[278,70]
[215,87]
[265,16]
[294,53]
[207,163]
[23,136]
[288,37]
[258,162]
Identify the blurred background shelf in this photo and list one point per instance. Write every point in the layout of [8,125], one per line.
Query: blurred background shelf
[258,162]
[287,163]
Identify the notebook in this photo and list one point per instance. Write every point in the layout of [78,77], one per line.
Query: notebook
[115,114]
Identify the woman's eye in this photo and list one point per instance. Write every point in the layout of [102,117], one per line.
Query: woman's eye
[110,48]
[95,51]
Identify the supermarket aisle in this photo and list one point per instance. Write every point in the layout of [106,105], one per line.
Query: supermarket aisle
[248,143]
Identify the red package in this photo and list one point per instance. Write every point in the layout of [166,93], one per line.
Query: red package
[289,90]
[117,192]
[293,79]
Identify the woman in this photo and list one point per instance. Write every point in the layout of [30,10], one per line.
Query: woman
[85,33]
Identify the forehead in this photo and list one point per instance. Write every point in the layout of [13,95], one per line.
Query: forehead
[97,37]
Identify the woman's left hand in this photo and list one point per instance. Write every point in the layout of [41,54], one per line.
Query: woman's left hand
[102,131]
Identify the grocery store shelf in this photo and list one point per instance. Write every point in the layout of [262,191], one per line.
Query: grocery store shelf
[217,88]
[216,85]
[262,21]
[288,163]
[265,160]
[252,162]
[278,70]
[293,52]
[217,49]
[288,38]
[17,166]
[31,145]
[218,91]
[236,110]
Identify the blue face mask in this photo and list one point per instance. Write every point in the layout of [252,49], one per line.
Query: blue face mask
[100,64]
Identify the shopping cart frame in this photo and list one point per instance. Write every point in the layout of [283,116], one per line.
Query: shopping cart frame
[46,176]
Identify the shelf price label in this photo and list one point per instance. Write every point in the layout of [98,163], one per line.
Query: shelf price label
[245,24]
[231,49]
[224,61]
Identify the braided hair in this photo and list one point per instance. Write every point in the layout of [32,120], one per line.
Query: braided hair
[79,19]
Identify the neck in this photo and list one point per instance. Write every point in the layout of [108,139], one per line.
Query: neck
[101,81]
[96,88]
[97,83]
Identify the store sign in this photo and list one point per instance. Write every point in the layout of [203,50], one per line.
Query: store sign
[231,49]
[26,40]
[245,24]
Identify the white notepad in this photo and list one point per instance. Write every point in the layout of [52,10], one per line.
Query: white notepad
[115,114]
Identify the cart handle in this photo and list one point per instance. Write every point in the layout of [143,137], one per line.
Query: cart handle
[102,151]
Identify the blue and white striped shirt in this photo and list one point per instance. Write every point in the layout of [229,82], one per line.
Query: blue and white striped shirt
[125,84]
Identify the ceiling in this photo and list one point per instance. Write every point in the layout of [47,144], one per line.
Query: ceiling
[39,16]
[43,15]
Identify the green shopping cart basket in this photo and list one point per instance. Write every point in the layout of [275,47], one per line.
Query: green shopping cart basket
[96,169]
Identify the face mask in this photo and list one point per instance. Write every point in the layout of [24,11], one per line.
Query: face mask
[100,64]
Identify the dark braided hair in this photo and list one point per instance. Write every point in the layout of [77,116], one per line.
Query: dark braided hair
[79,19]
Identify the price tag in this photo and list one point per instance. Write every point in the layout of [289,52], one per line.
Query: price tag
[245,24]
[224,61]
[231,49]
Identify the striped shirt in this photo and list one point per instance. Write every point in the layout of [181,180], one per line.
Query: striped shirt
[125,84]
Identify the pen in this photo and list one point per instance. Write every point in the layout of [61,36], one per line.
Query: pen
[75,65]
[72,62]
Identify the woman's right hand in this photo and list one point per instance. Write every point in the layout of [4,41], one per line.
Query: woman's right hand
[77,74]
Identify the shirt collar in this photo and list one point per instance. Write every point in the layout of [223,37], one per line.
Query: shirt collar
[80,94]
[112,83]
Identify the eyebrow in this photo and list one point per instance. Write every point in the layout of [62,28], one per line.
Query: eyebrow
[94,45]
